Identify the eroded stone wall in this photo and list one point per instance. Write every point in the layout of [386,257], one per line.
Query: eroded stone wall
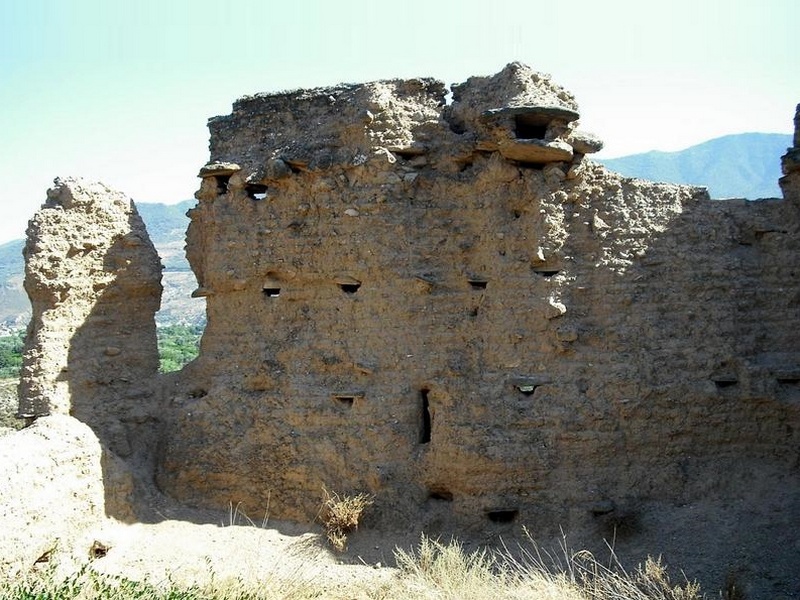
[447,306]
[93,278]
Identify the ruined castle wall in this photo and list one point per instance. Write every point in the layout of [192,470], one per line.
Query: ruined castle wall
[93,278]
[450,308]
[790,165]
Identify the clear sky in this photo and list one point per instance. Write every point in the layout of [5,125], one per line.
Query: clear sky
[120,91]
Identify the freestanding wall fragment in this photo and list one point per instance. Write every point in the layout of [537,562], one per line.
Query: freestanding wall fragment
[93,278]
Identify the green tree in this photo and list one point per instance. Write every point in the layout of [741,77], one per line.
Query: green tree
[178,345]
[11,354]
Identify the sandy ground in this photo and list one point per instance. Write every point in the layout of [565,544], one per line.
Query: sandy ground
[194,547]
[191,553]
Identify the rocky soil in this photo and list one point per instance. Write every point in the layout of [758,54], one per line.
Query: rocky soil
[8,406]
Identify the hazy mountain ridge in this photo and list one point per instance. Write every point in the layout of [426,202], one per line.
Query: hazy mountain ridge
[14,306]
[166,225]
[744,165]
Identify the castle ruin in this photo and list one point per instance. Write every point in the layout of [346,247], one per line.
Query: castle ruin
[448,306]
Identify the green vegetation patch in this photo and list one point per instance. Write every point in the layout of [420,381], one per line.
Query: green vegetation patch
[11,354]
[89,585]
[178,345]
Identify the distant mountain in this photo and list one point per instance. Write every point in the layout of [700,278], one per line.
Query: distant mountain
[166,224]
[11,263]
[745,165]
[14,306]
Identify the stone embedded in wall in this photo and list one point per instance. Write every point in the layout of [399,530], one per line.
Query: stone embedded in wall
[93,278]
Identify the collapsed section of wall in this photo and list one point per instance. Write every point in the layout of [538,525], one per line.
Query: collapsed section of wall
[450,308]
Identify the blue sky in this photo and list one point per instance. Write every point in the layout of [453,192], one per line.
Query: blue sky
[121,91]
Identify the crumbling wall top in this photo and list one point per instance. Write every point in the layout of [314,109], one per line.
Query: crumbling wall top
[517,89]
[314,129]
[518,112]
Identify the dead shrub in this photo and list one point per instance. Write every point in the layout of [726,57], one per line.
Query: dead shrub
[340,516]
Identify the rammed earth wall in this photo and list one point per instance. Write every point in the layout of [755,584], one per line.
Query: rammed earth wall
[447,306]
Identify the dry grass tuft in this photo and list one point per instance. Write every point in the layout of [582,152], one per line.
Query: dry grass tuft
[430,571]
[598,581]
[436,570]
[649,581]
[341,514]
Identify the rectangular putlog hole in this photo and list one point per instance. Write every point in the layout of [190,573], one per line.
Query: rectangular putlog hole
[256,191]
[478,283]
[349,288]
[346,398]
[222,183]
[529,127]
[725,382]
[788,379]
[348,284]
[271,292]
[546,273]
[502,515]
[441,494]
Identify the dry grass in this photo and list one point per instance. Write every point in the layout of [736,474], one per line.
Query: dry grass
[340,516]
[431,571]
[649,581]
[445,571]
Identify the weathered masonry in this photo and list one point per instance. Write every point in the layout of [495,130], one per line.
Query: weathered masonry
[448,306]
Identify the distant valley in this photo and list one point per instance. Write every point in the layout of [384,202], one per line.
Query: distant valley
[166,224]
[745,165]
